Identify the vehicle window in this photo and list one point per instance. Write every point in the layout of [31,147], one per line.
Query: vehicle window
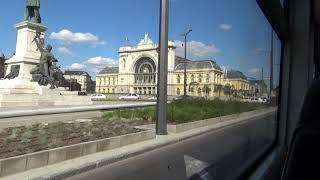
[223,60]
[233,44]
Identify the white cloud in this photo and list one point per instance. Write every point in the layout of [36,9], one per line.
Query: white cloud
[96,64]
[64,50]
[76,67]
[99,60]
[261,51]
[255,73]
[196,50]
[93,65]
[225,27]
[66,36]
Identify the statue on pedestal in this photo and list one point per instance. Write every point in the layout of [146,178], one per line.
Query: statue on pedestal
[32,12]
[46,72]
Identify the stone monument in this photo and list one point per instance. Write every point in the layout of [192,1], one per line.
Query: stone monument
[32,12]
[2,60]
[32,77]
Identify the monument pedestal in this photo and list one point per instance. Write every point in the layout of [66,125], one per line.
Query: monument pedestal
[27,54]
[18,90]
[49,98]
[26,57]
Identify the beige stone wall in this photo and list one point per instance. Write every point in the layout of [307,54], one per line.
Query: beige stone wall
[197,81]
[238,84]
[107,83]
[81,79]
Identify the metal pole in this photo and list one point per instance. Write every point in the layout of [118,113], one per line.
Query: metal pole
[161,123]
[185,67]
[271,64]
[185,62]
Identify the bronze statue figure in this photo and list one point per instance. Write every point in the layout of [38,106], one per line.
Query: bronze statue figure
[44,71]
[14,72]
[32,12]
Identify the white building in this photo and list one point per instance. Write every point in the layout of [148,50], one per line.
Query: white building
[137,72]
[81,77]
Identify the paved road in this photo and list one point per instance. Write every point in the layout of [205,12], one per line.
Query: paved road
[227,149]
[13,121]
[5,109]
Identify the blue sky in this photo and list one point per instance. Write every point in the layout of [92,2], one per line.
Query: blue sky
[87,34]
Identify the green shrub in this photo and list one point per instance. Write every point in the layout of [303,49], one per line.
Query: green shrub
[182,111]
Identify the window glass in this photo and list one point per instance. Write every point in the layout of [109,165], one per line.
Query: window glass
[200,78]
[233,42]
[223,68]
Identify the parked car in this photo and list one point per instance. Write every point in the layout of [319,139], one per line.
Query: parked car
[97,97]
[262,100]
[82,93]
[245,100]
[178,98]
[182,97]
[130,97]
[253,100]
[152,98]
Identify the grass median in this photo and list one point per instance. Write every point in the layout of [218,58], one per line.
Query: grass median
[183,111]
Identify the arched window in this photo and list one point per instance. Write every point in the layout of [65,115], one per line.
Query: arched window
[192,91]
[113,81]
[178,91]
[178,79]
[207,78]
[104,90]
[108,90]
[113,90]
[109,81]
[192,77]
[124,63]
[145,71]
[199,91]
[200,78]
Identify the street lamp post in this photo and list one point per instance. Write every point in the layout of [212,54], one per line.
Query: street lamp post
[271,64]
[161,123]
[270,52]
[185,63]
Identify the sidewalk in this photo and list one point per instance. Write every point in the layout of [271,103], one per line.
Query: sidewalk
[76,166]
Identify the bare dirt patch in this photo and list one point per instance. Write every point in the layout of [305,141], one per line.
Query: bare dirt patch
[16,141]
